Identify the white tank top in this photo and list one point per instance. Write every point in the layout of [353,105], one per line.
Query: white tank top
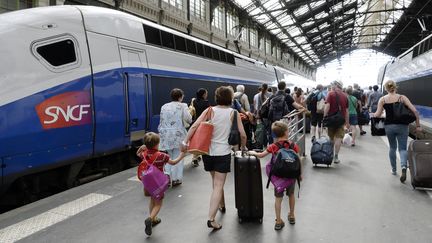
[222,127]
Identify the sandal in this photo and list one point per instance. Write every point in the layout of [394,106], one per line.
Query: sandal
[291,219]
[279,226]
[222,209]
[211,225]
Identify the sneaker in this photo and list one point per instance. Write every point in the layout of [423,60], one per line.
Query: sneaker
[148,226]
[279,226]
[403,176]
[336,161]
[313,139]
[362,132]
[156,221]
[393,172]
[176,183]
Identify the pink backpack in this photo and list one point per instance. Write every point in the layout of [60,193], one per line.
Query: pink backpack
[155,181]
[279,183]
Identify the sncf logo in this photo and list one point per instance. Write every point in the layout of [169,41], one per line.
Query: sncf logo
[65,110]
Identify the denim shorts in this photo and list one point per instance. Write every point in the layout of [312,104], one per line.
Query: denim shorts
[353,120]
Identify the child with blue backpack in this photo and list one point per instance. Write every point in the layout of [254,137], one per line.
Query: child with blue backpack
[289,149]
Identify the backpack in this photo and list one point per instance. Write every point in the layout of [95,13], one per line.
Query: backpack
[311,101]
[263,112]
[145,163]
[238,98]
[285,163]
[278,108]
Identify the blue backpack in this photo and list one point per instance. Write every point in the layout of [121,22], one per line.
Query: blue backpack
[285,163]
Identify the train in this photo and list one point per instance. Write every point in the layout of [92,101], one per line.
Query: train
[412,72]
[81,85]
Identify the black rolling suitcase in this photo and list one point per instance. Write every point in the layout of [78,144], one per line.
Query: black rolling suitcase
[322,151]
[377,126]
[420,163]
[248,187]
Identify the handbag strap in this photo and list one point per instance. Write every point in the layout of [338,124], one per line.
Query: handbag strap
[234,121]
[208,113]
[337,100]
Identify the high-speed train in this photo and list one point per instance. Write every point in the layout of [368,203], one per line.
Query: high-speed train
[81,83]
[412,71]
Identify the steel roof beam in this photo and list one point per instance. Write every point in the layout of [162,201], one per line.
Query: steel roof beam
[286,33]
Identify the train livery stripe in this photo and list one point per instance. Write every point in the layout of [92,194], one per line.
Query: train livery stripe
[42,221]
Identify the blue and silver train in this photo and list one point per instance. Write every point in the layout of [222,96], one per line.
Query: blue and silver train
[412,71]
[81,83]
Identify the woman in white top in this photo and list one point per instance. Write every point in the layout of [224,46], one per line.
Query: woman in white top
[219,159]
[172,131]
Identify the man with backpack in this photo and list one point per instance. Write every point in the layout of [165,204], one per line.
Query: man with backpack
[336,115]
[277,106]
[315,104]
[242,98]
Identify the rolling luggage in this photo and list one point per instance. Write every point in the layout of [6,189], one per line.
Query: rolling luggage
[377,126]
[248,187]
[420,163]
[322,151]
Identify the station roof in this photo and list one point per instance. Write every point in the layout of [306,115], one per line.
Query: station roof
[319,31]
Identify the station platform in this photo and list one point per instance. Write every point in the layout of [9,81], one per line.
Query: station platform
[357,200]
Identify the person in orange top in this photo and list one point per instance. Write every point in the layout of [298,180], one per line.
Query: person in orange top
[148,152]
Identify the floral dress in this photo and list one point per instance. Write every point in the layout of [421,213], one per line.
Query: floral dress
[171,128]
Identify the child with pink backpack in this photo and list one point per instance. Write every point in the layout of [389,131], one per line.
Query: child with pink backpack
[280,130]
[150,172]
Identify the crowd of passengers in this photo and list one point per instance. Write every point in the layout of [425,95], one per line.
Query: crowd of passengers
[178,122]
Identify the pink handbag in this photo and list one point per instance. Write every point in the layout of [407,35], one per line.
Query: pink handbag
[279,183]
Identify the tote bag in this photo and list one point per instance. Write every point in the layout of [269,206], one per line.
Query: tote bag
[200,141]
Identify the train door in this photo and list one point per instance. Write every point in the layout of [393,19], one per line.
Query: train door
[134,62]
[110,130]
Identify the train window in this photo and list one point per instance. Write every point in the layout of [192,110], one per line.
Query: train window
[191,48]
[167,39]
[152,35]
[215,53]
[200,49]
[180,43]
[208,51]
[58,53]
[222,55]
[230,58]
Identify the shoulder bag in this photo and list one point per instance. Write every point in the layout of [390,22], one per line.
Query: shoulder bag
[336,119]
[402,113]
[234,136]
